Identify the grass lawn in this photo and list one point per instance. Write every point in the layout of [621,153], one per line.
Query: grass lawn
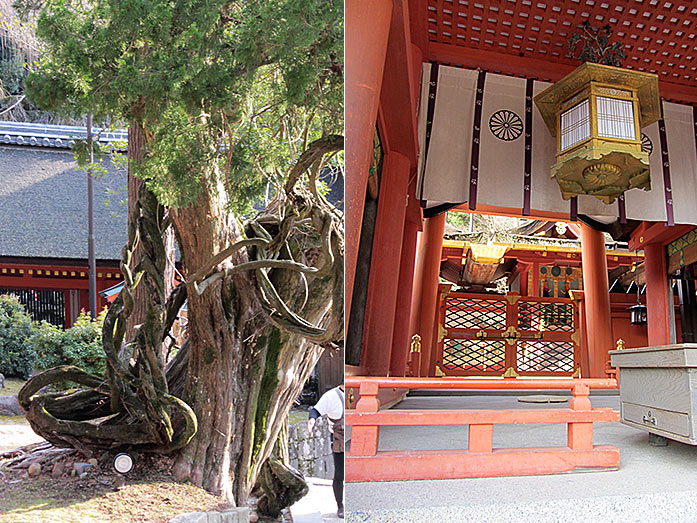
[12,386]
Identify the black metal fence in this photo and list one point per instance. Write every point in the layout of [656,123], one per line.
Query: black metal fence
[41,305]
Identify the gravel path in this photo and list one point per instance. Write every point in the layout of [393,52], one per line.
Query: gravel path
[16,433]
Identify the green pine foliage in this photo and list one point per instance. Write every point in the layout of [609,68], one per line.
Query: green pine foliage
[80,345]
[17,356]
[228,93]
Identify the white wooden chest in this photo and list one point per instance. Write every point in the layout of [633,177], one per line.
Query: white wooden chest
[658,389]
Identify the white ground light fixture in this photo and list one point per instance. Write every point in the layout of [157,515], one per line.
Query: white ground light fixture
[123,463]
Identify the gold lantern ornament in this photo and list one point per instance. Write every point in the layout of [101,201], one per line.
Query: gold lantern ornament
[597,113]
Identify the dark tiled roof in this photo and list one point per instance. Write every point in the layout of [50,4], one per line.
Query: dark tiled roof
[60,136]
[43,206]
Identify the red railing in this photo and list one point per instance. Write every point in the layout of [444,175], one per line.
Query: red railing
[366,463]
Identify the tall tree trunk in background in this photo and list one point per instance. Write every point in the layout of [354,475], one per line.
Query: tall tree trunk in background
[136,152]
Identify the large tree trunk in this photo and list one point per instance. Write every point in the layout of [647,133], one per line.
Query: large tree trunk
[244,372]
[263,303]
[223,346]
[141,297]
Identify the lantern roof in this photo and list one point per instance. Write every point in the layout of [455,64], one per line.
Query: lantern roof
[646,85]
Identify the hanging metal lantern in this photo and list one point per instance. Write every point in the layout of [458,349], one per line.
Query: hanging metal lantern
[597,113]
[637,314]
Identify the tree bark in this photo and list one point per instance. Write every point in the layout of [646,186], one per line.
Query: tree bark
[136,152]
[243,372]
[222,353]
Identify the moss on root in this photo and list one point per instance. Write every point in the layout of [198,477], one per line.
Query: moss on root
[269,382]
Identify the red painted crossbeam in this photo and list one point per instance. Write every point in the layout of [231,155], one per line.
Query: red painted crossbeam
[456,464]
[478,383]
[478,417]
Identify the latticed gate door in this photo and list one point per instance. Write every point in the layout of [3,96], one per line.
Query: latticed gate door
[489,335]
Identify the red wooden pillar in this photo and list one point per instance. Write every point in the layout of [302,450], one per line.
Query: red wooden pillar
[367,28]
[425,298]
[523,286]
[597,300]
[438,320]
[583,336]
[535,284]
[657,303]
[384,267]
[401,337]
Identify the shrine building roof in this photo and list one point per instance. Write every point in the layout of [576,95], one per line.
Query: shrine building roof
[43,205]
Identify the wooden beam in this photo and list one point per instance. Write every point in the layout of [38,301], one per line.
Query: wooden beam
[418,18]
[656,232]
[425,297]
[527,67]
[384,266]
[401,335]
[399,94]
[535,214]
[657,300]
[597,298]
[494,62]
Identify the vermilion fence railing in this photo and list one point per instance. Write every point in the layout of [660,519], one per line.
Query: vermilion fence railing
[365,462]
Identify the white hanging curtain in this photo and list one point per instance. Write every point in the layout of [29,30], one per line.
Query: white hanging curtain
[445,177]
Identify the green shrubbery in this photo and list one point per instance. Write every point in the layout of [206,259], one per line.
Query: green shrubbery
[12,75]
[80,345]
[17,357]
[25,346]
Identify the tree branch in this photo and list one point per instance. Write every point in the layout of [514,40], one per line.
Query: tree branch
[315,151]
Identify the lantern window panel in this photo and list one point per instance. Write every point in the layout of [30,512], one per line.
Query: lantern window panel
[575,125]
[615,118]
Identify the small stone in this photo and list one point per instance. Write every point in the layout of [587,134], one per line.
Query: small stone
[93,462]
[57,470]
[543,398]
[34,470]
[9,406]
[253,518]
[81,468]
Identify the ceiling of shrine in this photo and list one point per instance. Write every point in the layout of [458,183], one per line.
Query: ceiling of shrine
[529,38]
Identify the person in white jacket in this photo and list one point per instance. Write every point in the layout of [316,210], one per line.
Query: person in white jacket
[331,404]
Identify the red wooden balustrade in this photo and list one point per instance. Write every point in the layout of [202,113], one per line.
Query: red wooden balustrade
[366,463]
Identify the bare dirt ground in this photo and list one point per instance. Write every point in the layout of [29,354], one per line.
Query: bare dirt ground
[147,494]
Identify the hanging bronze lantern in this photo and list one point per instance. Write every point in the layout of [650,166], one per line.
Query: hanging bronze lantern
[637,313]
[597,113]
